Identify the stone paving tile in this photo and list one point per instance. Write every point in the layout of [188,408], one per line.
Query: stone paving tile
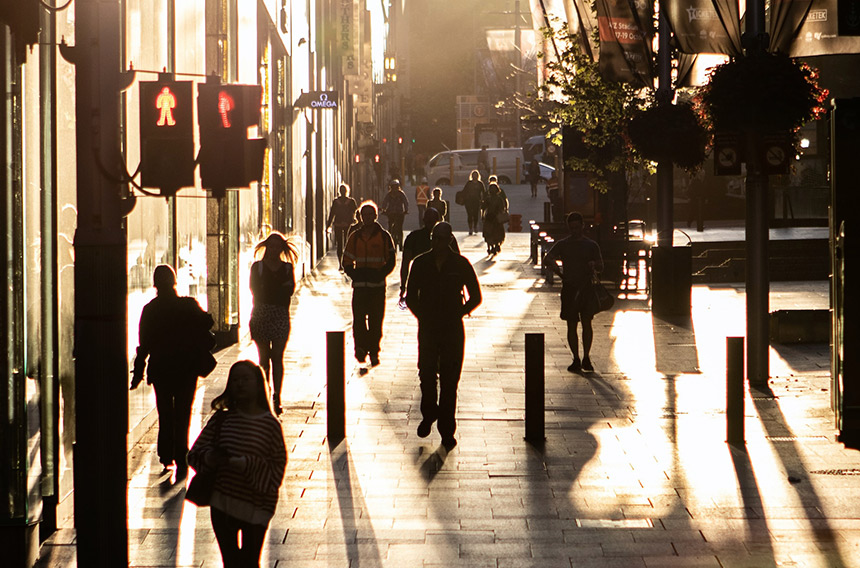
[643,438]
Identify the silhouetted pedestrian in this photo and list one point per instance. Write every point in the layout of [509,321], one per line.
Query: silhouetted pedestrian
[470,198]
[442,288]
[533,175]
[580,261]
[495,208]
[173,331]
[553,193]
[439,204]
[395,206]
[340,217]
[244,445]
[272,285]
[418,242]
[367,260]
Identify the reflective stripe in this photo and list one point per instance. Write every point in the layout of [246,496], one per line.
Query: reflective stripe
[368,284]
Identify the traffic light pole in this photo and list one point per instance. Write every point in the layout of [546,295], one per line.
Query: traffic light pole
[757,277]
[101,365]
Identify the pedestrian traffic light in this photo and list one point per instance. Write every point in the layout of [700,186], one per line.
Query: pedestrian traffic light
[358,158]
[227,157]
[376,158]
[166,134]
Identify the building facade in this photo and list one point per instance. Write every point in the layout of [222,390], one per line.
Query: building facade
[65,202]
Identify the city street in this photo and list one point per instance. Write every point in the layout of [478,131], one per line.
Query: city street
[635,470]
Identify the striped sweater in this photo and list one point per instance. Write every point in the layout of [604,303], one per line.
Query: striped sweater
[250,494]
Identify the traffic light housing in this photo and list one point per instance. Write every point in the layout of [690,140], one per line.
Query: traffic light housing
[166,135]
[227,157]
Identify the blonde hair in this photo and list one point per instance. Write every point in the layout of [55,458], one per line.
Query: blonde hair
[287,245]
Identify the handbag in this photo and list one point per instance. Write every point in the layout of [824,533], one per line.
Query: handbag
[204,361]
[604,300]
[202,485]
[458,198]
[503,217]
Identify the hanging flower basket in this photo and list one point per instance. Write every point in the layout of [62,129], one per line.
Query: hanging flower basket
[769,92]
[669,132]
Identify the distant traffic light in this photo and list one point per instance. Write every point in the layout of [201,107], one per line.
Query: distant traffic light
[358,158]
[166,134]
[227,157]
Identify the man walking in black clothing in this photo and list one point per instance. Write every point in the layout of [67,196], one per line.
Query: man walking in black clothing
[435,295]
[171,328]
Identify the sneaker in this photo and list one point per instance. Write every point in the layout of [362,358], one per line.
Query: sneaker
[574,367]
[449,443]
[424,428]
[587,366]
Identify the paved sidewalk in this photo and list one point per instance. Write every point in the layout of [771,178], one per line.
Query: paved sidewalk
[635,470]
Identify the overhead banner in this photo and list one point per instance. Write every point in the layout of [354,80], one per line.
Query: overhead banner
[626,30]
[705,26]
[347,37]
[819,33]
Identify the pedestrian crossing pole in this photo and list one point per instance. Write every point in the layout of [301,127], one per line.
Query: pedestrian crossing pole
[335,387]
[535,392]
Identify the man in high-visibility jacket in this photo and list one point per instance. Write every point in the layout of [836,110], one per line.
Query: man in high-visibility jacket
[422,196]
[367,259]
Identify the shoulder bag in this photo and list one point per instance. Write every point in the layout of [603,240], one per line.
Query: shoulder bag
[202,485]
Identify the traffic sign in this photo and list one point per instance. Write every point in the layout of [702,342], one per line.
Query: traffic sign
[776,152]
[727,154]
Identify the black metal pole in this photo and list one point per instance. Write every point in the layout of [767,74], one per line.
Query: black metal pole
[535,403]
[735,391]
[101,360]
[335,386]
[757,277]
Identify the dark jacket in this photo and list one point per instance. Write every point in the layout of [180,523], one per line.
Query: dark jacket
[172,331]
[435,296]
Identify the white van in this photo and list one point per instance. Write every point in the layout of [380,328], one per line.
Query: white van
[438,169]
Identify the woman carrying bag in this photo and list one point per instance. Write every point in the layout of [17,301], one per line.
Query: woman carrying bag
[242,448]
[495,216]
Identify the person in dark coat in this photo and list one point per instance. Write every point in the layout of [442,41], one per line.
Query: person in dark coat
[340,217]
[470,197]
[170,334]
[442,289]
[495,206]
[533,176]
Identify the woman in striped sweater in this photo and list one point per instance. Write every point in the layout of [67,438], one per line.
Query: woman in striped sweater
[244,444]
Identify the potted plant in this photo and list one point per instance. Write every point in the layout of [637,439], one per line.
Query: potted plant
[667,132]
[767,92]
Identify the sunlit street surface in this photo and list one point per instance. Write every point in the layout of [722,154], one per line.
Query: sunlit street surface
[635,470]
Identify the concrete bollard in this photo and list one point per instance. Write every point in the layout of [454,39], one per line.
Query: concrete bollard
[535,392]
[335,387]
[735,391]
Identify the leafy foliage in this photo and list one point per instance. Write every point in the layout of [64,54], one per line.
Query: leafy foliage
[767,92]
[670,132]
[576,95]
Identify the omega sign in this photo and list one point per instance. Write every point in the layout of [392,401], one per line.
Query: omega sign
[323,99]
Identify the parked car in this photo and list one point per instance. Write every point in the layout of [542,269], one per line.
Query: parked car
[438,169]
